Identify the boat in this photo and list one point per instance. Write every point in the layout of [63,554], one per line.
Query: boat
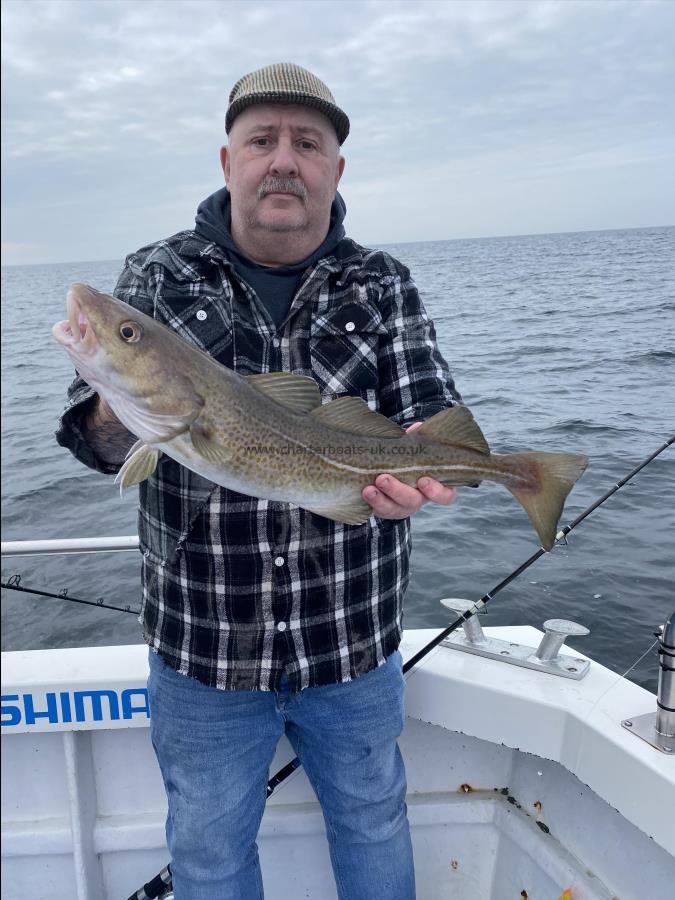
[534,772]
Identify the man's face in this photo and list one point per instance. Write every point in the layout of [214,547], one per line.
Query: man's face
[282,167]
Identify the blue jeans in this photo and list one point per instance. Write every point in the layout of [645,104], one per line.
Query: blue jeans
[215,749]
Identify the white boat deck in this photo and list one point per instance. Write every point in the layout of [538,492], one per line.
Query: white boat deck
[520,784]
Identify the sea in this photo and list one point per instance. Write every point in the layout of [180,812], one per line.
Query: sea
[562,342]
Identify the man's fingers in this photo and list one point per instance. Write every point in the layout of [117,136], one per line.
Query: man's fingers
[383,507]
[435,491]
[404,496]
[391,499]
[413,498]
[386,507]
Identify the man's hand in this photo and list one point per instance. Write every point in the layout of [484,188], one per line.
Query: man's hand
[101,414]
[106,435]
[392,499]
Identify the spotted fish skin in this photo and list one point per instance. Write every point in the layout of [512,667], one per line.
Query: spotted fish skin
[269,435]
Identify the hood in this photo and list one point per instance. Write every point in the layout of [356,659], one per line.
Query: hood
[213,223]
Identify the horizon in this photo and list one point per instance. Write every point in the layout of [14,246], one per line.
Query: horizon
[469,120]
[380,244]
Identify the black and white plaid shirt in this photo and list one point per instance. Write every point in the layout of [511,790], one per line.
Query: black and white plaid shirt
[238,590]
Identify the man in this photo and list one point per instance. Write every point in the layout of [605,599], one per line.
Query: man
[284,621]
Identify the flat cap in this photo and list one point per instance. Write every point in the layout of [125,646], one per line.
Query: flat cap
[285,83]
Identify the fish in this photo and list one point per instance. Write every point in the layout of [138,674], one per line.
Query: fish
[271,436]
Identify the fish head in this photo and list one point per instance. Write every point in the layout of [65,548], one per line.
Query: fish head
[132,361]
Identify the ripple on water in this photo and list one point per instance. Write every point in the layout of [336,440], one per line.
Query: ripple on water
[558,341]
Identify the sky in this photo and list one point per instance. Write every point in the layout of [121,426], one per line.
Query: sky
[469,118]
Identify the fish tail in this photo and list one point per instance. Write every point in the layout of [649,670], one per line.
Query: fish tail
[541,482]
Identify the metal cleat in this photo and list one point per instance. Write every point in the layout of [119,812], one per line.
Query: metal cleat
[473,630]
[556,632]
[544,658]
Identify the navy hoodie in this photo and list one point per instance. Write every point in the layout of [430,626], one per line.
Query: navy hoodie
[275,286]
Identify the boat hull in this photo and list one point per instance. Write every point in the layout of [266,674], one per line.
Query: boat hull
[514,782]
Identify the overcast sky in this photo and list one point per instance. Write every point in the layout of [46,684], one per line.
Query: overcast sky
[469,118]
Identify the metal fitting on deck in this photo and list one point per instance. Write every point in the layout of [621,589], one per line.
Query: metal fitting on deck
[556,633]
[545,658]
[658,729]
[473,630]
[665,696]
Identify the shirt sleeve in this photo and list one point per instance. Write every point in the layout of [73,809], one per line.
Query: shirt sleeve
[415,381]
[81,397]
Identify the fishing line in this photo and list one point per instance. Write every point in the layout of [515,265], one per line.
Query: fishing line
[561,537]
[621,677]
[160,884]
[295,764]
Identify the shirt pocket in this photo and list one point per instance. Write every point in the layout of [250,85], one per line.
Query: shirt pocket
[344,349]
[205,321]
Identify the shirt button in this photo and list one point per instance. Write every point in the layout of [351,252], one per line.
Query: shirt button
[281,626]
[350,326]
[276,342]
[201,314]
[279,561]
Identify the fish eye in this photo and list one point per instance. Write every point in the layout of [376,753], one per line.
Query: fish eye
[130,332]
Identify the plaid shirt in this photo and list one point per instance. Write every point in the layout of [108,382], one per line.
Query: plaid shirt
[238,590]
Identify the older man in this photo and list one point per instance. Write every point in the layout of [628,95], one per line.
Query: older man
[283,621]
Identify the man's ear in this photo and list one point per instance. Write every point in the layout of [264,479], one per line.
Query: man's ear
[225,162]
[340,170]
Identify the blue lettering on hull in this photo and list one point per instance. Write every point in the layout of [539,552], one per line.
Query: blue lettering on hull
[73,706]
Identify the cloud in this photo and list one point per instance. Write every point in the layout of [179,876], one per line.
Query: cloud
[109,102]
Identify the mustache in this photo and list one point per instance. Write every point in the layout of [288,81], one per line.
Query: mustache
[284,185]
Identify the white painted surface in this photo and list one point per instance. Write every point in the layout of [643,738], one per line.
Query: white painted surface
[578,724]
[83,804]
[70,545]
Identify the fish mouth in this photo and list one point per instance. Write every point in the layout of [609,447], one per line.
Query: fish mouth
[76,333]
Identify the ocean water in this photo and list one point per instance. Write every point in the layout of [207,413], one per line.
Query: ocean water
[557,342]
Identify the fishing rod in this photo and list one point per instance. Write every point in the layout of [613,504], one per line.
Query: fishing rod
[160,885]
[294,764]
[14,584]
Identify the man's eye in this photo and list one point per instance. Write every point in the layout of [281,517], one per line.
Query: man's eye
[307,145]
[261,142]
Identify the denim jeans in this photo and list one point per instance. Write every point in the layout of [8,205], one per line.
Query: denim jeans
[215,748]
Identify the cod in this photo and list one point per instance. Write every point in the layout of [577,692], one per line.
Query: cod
[269,435]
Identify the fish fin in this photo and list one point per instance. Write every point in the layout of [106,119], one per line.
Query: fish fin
[207,448]
[351,512]
[155,426]
[297,392]
[352,414]
[455,426]
[141,461]
[553,475]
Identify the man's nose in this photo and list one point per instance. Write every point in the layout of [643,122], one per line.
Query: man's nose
[284,162]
